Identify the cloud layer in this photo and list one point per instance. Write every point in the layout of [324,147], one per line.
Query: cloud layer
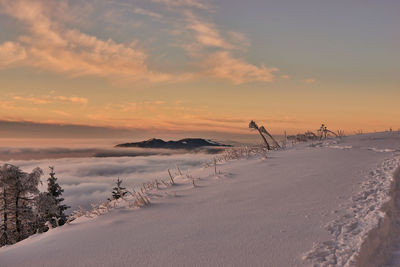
[90,180]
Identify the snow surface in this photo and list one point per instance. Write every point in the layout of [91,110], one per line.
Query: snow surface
[310,205]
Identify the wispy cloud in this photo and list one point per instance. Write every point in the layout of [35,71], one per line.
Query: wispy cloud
[136,106]
[309,80]
[183,3]
[72,99]
[147,13]
[33,100]
[52,47]
[51,44]
[10,53]
[52,99]
[62,113]
[239,40]
[224,66]
[223,119]
[206,34]
[216,50]
[8,105]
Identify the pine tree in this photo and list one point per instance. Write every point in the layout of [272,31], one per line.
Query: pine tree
[47,209]
[56,215]
[118,190]
[6,225]
[18,191]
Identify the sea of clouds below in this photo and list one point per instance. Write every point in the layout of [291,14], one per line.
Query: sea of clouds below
[87,180]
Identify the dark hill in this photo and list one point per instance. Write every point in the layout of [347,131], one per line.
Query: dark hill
[187,143]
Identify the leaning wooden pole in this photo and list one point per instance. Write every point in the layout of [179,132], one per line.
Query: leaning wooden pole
[253,125]
[332,132]
[265,140]
[270,136]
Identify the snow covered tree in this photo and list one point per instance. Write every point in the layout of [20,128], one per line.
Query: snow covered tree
[118,190]
[18,191]
[47,210]
[55,214]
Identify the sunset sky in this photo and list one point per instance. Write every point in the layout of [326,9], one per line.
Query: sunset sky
[199,67]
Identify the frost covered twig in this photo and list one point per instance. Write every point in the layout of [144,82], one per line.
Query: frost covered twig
[170,176]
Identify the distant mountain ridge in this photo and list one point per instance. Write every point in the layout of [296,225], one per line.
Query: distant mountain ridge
[187,143]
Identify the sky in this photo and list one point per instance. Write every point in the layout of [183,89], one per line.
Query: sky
[197,68]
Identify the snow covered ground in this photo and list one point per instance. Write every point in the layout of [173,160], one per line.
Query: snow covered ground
[313,204]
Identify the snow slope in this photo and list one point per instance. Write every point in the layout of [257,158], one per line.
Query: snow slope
[312,204]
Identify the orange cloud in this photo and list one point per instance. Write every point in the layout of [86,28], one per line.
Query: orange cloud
[33,100]
[52,99]
[8,105]
[309,81]
[73,99]
[206,34]
[223,65]
[11,53]
[51,47]
[62,113]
